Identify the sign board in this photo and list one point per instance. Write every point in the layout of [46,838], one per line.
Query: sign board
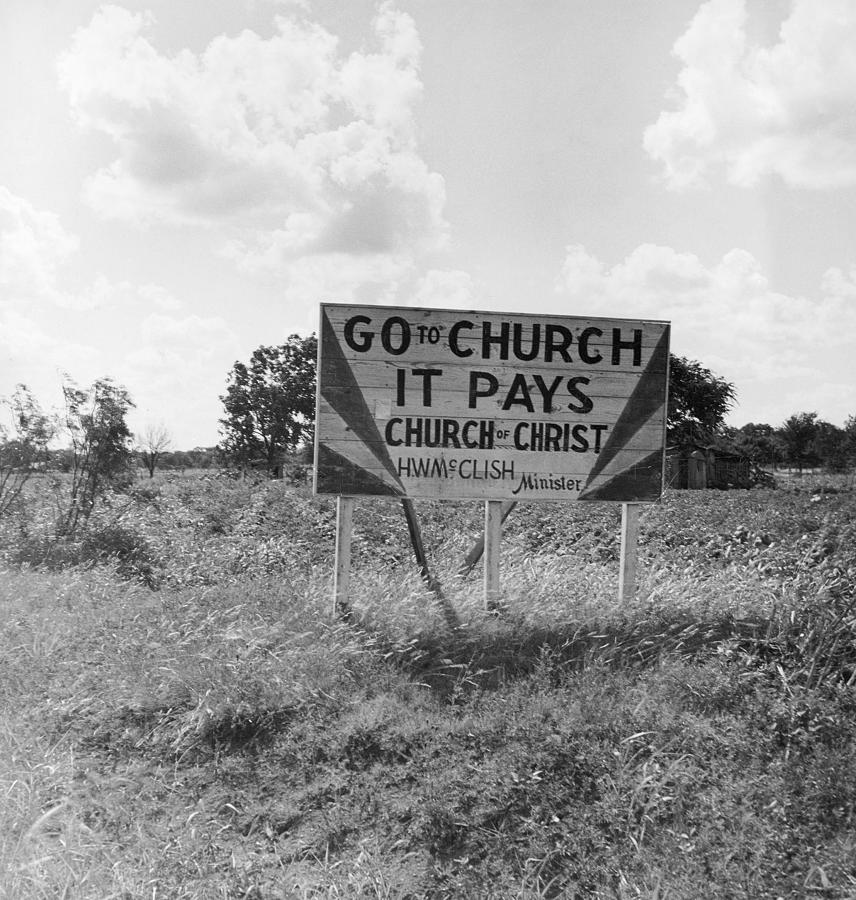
[432,403]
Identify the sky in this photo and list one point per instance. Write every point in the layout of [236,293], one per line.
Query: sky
[182,181]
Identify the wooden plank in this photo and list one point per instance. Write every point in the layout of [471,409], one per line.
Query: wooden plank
[453,403]
[475,476]
[629,548]
[493,539]
[377,373]
[342,567]
[513,337]
[577,438]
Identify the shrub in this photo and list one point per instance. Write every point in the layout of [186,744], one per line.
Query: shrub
[124,547]
[145,494]
[24,451]
[100,444]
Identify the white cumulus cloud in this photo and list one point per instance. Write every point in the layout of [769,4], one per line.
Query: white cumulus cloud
[728,316]
[34,355]
[343,278]
[191,331]
[447,288]
[291,144]
[33,246]
[788,109]
[38,344]
[177,370]
[35,253]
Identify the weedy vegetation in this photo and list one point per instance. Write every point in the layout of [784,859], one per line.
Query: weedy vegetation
[184,717]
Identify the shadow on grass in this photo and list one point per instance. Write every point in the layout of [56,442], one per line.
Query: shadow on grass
[489,655]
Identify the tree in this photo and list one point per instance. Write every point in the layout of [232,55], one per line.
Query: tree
[270,403]
[830,447]
[698,401]
[797,439]
[758,442]
[100,446]
[153,443]
[203,457]
[24,447]
[850,439]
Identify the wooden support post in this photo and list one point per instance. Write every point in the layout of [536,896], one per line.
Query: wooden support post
[492,541]
[629,541]
[342,569]
[478,548]
[451,617]
[419,546]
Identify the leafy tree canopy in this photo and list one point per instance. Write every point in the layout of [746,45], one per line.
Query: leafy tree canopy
[807,441]
[698,401]
[270,403]
[759,442]
[797,439]
[101,456]
[24,448]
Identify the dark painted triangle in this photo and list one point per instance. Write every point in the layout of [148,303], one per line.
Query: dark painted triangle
[336,474]
[643,403]
[642,481]
[340,389]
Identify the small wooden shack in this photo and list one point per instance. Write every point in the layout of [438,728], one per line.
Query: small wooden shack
[695,467]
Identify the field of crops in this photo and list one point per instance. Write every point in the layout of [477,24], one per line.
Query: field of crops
[184,716]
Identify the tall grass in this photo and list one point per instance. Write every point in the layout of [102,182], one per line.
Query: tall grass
[226,736]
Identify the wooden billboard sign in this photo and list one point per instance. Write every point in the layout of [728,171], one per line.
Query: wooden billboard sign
[443,404]
[429,403]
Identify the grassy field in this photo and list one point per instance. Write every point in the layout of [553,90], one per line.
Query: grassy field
[183,717]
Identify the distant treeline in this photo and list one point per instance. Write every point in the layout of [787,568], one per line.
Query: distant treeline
[62,460]
[801,442]
[197,458]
